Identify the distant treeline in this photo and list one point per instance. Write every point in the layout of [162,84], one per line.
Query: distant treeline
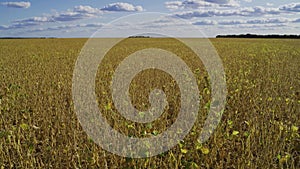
[259,36]
[139,36]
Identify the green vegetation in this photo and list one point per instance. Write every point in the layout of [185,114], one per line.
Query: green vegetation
[259,127]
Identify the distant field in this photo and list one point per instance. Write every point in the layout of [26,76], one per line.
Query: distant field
[259,127]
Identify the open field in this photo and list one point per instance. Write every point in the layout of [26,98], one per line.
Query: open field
[259,127]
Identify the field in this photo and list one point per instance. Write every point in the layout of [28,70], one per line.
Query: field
[259,126]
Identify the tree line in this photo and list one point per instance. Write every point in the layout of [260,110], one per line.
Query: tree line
[259,36]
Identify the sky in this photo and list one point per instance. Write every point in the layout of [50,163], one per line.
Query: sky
[82,18]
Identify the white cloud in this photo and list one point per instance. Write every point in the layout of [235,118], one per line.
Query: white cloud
[173,4]
[4,27]
[123,7]
[70,16]
[269,20]
[188,4]
[231,22]
[206,22]
[260,21]
[77,13]
[261,27]
[220,1]
[64,27]
[86,9]
[16,26]
[293,7]
[196,4]
[246,12]
[296,20]
[33,19]
[257,21]
[17,4]
[195,9]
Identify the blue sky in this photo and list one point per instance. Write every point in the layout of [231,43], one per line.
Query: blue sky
[81,18]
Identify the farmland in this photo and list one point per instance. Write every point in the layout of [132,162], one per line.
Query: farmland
[259,127]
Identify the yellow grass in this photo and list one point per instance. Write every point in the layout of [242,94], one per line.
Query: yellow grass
[259,127]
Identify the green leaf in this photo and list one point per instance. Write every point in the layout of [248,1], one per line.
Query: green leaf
[235,133]
[281,127]
[108,106]
[295,128]
[155,132]
[278,156]
[149,126]
[142,114]
[198,145]
[130,126]
[229,122]
[207,105]
[24,126]
[246,134]
[205,150]
[184,151]
[194,165]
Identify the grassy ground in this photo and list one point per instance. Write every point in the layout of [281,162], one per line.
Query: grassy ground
[259,127]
